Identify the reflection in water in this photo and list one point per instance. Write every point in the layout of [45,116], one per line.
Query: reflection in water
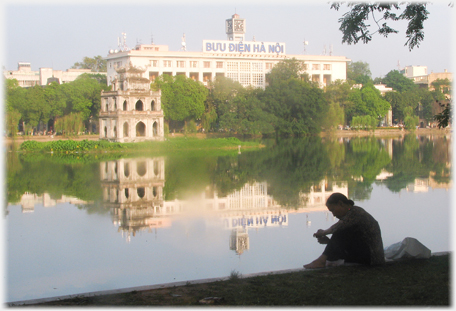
[239,204]
[133,191]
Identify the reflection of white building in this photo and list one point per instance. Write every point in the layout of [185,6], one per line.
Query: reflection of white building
[29,200]
[247,62]
[320,192]
[384,174]
[420,185]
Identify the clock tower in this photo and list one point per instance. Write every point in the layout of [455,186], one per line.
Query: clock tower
[235,28]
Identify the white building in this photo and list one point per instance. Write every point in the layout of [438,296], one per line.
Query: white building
[28,78]
[245,61]
[414,71]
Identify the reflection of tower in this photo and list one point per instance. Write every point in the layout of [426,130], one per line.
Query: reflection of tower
[133,189]
[131,111]
[239,240]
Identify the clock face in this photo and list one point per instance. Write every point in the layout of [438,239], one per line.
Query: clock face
[238,25]
[229,26]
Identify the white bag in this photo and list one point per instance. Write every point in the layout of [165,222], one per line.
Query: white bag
[408,248]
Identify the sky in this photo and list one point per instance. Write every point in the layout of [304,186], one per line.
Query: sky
[58,34]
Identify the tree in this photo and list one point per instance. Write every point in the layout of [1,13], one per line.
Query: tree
[182,98]
[222,92]
[338,92]
[96,64]
[399,82]
[410,119]
[354,28]
[368,101]
[358,72]
[444,118]
[286,69]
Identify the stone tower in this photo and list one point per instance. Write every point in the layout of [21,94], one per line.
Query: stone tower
[131,111]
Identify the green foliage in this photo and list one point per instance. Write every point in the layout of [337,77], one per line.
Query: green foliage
[182,98]
[299,106]
[41,104]
[399,82]
[410,119]
[96,64]
[354,28]
[12,120]
[334,117]
[286,69]
[445,117]
[70,124]
[358,72]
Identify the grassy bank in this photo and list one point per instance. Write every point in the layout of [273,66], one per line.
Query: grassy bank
[168,145]
[418,282]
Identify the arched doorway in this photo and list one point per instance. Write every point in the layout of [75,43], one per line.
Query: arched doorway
[105,132]
[115,131]
[125,129]
[152,105]
[127,169]
[139,106]
[125,105]
[141,168]
[141,192]
[140,129]
[155,129]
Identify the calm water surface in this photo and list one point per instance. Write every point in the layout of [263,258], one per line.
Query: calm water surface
[76,225]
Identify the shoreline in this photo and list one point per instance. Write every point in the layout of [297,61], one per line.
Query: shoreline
[338,133]
[150,288]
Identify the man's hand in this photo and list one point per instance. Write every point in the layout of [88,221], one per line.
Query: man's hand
[320,233]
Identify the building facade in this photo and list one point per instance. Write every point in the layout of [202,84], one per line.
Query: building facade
[131,111]
[247,62]
[44,76]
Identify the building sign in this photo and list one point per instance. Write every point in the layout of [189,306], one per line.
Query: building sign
[250,47]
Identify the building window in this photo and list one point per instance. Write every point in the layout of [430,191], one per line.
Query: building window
[269,66]
[257,67]
[244,78]
[193,64]
[327,67]
[245,66]
[232,66]
[166,63]
[306,66]
[180,64]
[207,64]
[219,64]
[258,79]
[154,63]
[315,66]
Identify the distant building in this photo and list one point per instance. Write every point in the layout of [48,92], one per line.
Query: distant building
[421,77]
[44,76]
[414,71]
[383,88]
[247,62]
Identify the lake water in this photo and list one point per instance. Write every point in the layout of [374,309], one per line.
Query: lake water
[77,224]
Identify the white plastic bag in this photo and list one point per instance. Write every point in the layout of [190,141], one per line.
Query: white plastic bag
[408,248]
